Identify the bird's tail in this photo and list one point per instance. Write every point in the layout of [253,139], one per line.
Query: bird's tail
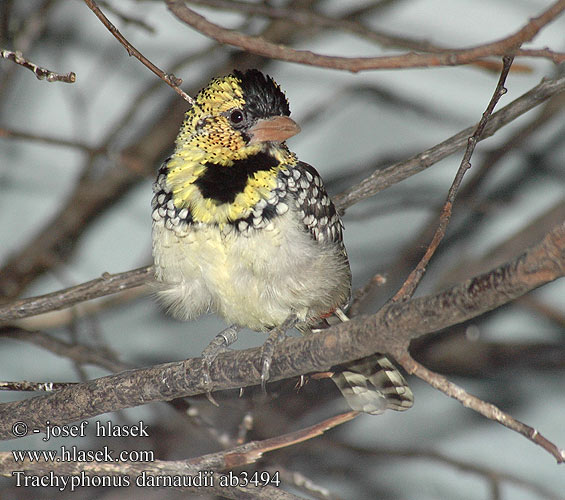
[372,384]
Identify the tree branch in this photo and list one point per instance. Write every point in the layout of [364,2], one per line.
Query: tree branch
[409,287]
[38,71]
[486,409]
[107,284]
[169,79]
[384,178]
[258,45]
[389,330]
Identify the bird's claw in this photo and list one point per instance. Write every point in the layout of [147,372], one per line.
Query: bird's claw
[208,386]
[218,345]
[275,336]
[265,369]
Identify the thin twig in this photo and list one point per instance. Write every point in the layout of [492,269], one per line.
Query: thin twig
[486,471]
[397,172]
[486,409]
[556,57]
[126,19]
[252,451]
[55,141]
[38,71]
[407,289]
[107,284]
[258,45]
[78,353]
[305,484]
[168,78]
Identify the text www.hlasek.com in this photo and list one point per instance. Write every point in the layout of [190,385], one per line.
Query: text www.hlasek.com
[74,454]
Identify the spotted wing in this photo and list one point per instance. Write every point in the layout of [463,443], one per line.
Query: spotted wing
[316,208]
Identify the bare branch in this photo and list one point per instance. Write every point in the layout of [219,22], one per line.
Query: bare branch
[310,18]
[556,57]
[487,472]
[486,409]
[305,484]
[409,287]
[389,330]
[107,284]
[39,72]
[258,45]
[55,141]
[78,353]
[252,451]
[397,172]
[169,79]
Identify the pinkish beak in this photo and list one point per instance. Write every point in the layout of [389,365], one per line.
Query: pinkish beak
[276,129]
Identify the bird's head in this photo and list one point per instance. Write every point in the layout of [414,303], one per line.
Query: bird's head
[237,116]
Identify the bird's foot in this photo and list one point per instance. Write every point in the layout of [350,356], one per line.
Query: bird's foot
[275,336]
[220,343]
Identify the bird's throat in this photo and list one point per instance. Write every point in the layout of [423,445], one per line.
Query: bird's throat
[225,194]
[223,184]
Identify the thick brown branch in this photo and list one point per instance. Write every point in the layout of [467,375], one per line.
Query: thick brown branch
[310,18]
[390,330]
[258,45]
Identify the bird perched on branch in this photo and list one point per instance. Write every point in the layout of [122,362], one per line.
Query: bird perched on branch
[241,227]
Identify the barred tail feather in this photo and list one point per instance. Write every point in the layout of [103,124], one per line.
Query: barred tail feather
[373,385]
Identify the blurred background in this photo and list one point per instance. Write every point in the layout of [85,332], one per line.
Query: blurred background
[76,166]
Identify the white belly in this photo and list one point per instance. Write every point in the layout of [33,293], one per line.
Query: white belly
[256,279]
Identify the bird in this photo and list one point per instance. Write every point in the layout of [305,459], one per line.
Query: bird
[244,229]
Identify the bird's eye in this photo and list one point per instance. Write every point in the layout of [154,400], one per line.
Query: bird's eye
[236,116]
